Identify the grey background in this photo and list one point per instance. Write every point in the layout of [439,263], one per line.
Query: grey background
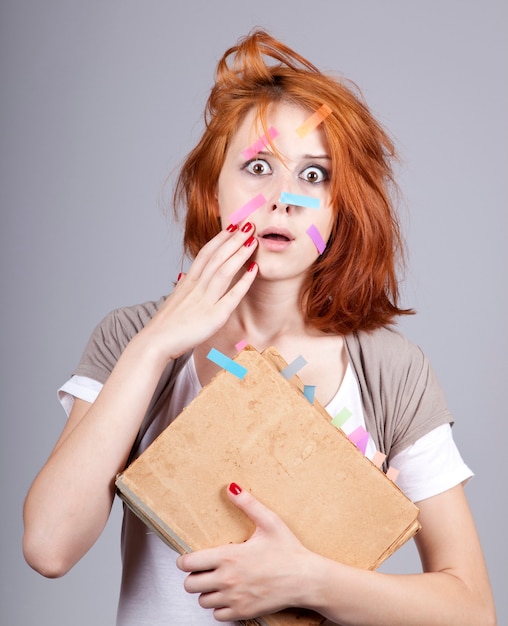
[101,100]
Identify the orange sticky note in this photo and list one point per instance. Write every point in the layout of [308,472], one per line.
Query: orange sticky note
[314,120]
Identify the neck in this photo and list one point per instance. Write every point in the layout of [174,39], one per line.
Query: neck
[269,313]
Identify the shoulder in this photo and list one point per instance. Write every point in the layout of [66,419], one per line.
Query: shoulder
[111,336]
[125,322]
[382,347]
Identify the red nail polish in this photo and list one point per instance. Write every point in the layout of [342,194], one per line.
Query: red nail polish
[252,267]
[249,241]
[246,227]
[235,489]
[179,276]
[232,227]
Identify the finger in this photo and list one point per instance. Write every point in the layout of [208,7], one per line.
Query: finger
[200,582]
[263,517]
[228,302]
[219,249]
[199,561]
[229,258]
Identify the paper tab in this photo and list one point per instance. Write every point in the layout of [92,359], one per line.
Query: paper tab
[360,437]
[378,459]
[260,143]
[341,418]
[226,363]
[315,235]
[248,208]
[314,120]
[309,392]
[392,473]
[240,345]
[299,200]
[290,370]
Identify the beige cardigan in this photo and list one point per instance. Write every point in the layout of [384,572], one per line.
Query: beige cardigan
[402,398]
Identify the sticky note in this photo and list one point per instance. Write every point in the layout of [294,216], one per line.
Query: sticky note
[314,120]
[297,200]
[392,473]
[248,208]
[260,143]
[378,459]
[226,363]
[309,391]
[240,345]
[341,418]
[360,438]
[315,235]
[290,370]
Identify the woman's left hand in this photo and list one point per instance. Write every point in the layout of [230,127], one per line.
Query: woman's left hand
[260,576]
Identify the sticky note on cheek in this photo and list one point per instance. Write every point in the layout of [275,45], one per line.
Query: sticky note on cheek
[248,208]
[315,235]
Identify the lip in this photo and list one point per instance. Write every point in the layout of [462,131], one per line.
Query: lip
[275,244]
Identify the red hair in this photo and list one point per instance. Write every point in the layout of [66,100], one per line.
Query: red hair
[353,285]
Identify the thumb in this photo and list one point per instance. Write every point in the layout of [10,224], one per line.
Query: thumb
[263,517]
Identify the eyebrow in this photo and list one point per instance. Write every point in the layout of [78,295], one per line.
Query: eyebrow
[305,156]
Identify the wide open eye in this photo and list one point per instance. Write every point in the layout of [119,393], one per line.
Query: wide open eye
[314,174]
[258,167]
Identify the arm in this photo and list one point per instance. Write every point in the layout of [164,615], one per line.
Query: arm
[70,500]
[272,570]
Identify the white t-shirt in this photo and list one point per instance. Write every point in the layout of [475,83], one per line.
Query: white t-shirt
[152,586]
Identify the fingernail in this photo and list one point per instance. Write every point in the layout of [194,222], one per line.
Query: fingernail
[179,276]
[235,489]
[232,227]
[246,227]
[249,241]
[251,267]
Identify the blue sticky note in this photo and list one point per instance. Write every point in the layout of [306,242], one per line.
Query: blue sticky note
[298,200]
[308,392]
[226,363]
[290,370]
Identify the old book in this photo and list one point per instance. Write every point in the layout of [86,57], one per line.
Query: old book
[263,433]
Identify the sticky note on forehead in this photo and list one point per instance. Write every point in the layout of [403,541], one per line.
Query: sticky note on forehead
[248,208]
[298,200]
[314,120]
[260,143]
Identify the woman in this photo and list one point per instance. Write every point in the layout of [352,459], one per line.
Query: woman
[315,282]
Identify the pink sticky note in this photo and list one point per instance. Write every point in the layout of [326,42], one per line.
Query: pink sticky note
[378,459]
[315,235]
[260,143]
[240,345]
[392,473]
[360,438]
[248,208]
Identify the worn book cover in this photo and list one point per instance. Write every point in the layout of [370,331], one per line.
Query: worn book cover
[263,433]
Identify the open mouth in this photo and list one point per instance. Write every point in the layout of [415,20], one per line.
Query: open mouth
[276,237]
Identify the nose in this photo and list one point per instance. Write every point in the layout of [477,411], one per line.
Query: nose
[280,206]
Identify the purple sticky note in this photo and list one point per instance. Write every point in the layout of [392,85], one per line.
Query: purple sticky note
[360,438]
[315,235]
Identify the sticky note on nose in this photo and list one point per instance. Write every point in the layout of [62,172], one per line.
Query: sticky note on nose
[298,200]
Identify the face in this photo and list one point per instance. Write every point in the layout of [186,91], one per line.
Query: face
[303,168]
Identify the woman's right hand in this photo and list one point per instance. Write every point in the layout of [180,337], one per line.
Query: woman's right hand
[207,295]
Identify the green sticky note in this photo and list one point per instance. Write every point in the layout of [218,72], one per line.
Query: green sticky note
[341,418]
